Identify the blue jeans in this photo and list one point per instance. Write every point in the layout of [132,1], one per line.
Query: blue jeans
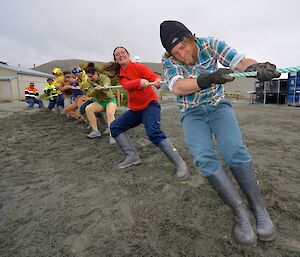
[200,123]
[60,100]
[52,103]
[150,116]
[32,101]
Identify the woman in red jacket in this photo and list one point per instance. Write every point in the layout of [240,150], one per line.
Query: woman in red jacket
[143,108]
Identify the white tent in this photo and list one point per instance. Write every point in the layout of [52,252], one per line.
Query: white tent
[13,81]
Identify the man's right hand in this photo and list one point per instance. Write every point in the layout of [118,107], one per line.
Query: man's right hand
[220,76]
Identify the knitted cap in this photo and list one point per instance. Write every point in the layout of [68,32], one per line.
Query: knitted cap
[76,70]
[172,33]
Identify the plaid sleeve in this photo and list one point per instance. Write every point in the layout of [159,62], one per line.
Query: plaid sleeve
[172,72]
[225,54]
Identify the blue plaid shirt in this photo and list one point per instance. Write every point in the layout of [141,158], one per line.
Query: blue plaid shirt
[210,51]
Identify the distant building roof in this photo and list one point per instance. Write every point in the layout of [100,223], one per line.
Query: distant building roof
[24,71]
[7,77]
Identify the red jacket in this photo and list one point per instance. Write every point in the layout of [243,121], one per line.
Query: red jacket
[138,97]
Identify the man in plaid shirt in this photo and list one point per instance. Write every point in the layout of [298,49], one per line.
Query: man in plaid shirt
[191,70]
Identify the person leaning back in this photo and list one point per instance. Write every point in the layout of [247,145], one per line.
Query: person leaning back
[143,108]
[191,70]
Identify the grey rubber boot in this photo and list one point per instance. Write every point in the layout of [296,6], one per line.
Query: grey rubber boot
[128,148]
[171,152]
[243,231]
[246,178]
[61,110]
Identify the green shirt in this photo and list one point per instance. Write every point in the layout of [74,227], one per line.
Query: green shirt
[100,95]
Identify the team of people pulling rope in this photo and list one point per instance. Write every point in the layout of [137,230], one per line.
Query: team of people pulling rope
[191,72]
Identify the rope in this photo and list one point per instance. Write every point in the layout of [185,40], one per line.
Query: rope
[117,86]
[239,74]
[254,73]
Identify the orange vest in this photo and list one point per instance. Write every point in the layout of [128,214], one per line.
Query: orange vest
[31,92]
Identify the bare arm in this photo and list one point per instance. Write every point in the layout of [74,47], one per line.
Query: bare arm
[185,87]
[244,63]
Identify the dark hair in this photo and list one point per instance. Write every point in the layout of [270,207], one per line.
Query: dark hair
[49,79]
[113,66]
[90,69]
[117,48]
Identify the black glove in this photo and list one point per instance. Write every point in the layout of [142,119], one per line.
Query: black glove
[218,77]
[265,71]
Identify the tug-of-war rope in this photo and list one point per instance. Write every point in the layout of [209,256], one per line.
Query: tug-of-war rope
[239,74]
[253,73]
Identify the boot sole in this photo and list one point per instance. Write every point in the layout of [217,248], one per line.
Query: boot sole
[186,175]
[130,164]
[249,244]
[245,243]
[266,238]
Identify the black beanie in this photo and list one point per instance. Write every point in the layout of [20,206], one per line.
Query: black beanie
[171,33]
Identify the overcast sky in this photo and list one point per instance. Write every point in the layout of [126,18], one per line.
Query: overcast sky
[39,31]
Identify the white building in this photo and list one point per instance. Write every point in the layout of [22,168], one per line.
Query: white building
[136,59]
[13,81]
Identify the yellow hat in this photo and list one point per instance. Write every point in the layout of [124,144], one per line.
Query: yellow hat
[57,71]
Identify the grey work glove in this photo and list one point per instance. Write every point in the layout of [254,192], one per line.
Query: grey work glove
[218,77]
[265,71]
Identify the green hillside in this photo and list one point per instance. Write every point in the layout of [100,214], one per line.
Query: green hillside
[67,65]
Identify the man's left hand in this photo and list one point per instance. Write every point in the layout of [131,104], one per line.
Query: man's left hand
[265,71]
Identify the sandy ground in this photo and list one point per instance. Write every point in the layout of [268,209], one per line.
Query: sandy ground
[61,194]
